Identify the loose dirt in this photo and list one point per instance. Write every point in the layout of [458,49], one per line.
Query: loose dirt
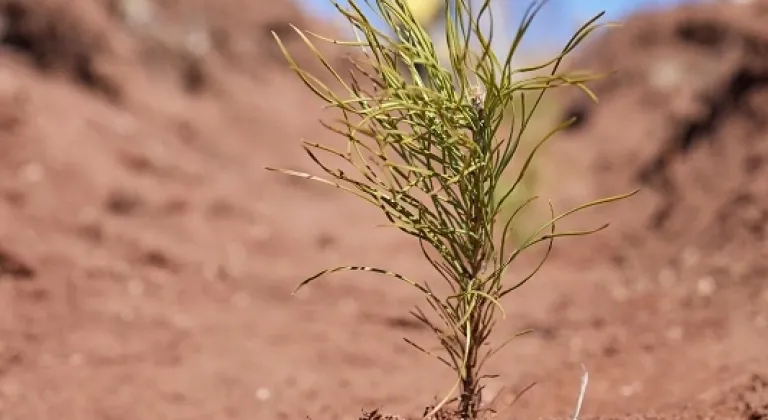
[147,259]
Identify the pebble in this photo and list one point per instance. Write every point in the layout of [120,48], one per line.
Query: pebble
[631,389]
[263,394]
[706,286]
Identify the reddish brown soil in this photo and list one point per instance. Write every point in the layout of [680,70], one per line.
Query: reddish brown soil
[147,258]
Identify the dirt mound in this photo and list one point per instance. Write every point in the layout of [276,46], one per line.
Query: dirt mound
[103,40]
[53,39]
[683,119]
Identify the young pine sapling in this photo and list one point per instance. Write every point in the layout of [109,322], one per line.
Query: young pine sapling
[427,147]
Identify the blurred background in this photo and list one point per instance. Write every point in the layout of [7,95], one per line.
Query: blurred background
[556,22]
[147,258]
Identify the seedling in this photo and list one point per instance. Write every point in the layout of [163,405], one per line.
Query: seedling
[431,154]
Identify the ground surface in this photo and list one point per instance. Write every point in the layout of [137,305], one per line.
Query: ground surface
[147,258]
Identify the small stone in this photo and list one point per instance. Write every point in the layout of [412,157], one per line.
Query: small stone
[666,74]
[137,13]
[706,286]
[263,394]
[629,390]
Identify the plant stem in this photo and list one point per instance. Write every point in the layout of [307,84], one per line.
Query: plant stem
[469,400]
[470,386]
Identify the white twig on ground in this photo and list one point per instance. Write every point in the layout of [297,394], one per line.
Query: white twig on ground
[582,392]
